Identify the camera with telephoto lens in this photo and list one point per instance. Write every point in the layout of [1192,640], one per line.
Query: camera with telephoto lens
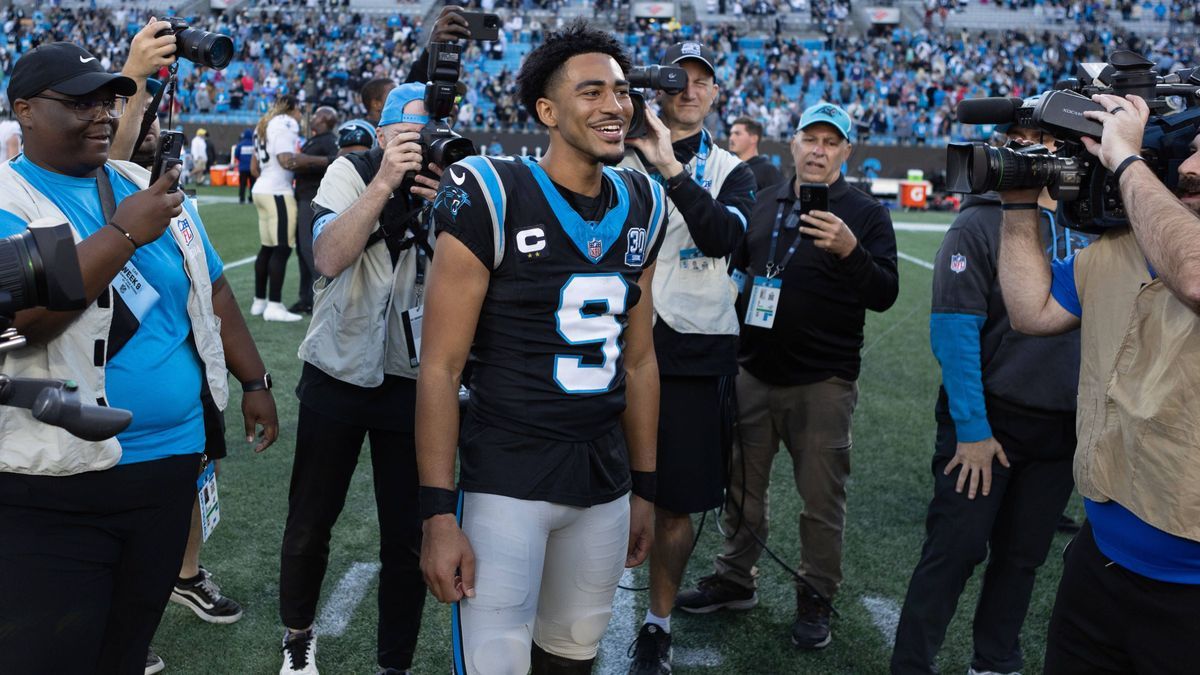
[1089,200]
[199,46]
[670,79]
[39,268]
[439,143]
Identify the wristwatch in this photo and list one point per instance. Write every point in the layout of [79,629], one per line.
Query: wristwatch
[263,382]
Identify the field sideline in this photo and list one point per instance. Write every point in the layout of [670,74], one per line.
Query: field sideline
[889,490]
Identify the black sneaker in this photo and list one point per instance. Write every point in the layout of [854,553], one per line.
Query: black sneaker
[203,597]
[651,651]
[299,653]
[301,307]
[154,663]
[392,671]
[811,627]
[713,593]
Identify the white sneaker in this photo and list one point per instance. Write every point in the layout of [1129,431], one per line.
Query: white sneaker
[258,306]
[299,653]
[972,671]
[275,311]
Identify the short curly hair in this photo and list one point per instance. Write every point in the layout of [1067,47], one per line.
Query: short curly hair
[543,64]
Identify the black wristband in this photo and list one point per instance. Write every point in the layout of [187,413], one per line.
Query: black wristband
[645,484]
[435,501]
[1125,164]
[125,233]
[257,384]
[1019,207]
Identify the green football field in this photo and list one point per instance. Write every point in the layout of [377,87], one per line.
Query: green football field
[889,489]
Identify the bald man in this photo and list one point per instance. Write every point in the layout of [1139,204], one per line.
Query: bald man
[317,154]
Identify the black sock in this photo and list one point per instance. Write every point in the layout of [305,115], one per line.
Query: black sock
[261,264]
[192,580]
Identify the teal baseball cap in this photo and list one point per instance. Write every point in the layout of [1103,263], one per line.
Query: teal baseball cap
[393,108]
[829,114]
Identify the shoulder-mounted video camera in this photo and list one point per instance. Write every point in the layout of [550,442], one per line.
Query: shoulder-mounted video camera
[671,79]
[1088,198]
[39,268]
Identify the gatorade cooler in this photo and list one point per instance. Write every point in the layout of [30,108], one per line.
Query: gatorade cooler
[216,175]
[913,194]
[231,176]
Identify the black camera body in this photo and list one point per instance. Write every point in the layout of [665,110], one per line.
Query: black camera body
[440,144]
[1089,200]
[199,46]
[670,79]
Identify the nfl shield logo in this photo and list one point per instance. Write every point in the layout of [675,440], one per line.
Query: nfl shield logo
[185,229]
[958,263]
[594,249]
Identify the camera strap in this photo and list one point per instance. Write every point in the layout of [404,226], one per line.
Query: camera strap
[124,322]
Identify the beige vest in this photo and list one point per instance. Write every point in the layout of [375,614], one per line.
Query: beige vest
[356,334]
[699,299]
[1139,389]
[31,447]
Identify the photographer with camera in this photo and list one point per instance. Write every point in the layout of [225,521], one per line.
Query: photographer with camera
[94,532]
[812,273]
[1005,438]
[371,248]
[1131,582]
[710,193]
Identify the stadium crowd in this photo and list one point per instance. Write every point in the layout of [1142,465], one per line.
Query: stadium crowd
[900,86]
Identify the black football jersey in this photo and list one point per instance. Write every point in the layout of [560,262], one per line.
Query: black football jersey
[547,354]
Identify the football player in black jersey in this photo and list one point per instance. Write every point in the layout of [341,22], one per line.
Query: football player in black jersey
[542,277]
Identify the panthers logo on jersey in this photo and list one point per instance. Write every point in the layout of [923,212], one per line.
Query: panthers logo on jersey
[453,198]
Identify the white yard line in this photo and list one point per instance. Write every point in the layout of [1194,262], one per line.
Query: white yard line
[339,607]
[622,629]
[914,260]
[920,227]
[239,263]
[885,614]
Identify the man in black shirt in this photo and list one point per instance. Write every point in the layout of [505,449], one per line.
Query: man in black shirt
[744,135]
[809,280]
[316,155]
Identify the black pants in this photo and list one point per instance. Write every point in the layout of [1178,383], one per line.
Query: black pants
[245,182]
[1011,528]
[304,249]
[326,455]
[87,563]
[1108,619]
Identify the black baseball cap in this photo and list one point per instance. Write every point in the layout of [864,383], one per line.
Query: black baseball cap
[66,68]
[682,51]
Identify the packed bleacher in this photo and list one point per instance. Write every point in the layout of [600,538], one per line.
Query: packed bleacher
[899,83]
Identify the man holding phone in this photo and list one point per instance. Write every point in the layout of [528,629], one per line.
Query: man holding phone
[809,276]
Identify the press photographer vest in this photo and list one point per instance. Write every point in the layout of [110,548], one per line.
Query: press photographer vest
[1139,389]
[356,334]
[693,300]
[78,353]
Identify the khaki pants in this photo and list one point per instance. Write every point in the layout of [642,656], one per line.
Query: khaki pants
[813,422]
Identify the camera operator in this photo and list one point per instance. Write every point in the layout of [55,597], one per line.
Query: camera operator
[710,195]
[317,153]
[799,370]
[359,380]
[1131,582]
[94,532]
[1006,421]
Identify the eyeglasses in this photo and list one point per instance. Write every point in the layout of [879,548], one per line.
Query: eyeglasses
[88,110]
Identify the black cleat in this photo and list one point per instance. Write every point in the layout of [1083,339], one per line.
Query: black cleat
[651,651]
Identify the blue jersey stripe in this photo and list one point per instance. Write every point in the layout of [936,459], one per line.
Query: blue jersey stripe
[496,197]
[460,667]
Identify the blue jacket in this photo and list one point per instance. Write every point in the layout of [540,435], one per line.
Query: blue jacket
[245,151]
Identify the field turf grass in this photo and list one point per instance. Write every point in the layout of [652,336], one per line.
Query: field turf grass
[888,493]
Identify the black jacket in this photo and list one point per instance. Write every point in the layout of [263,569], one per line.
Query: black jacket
[818,329]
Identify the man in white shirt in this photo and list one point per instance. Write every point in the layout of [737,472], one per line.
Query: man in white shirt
[10,139]
[199,156]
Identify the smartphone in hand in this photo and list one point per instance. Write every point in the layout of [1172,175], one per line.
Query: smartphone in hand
[813,197]
[483,26]
[166,155]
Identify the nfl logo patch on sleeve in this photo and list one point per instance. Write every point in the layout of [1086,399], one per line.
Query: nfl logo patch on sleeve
[958,263]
